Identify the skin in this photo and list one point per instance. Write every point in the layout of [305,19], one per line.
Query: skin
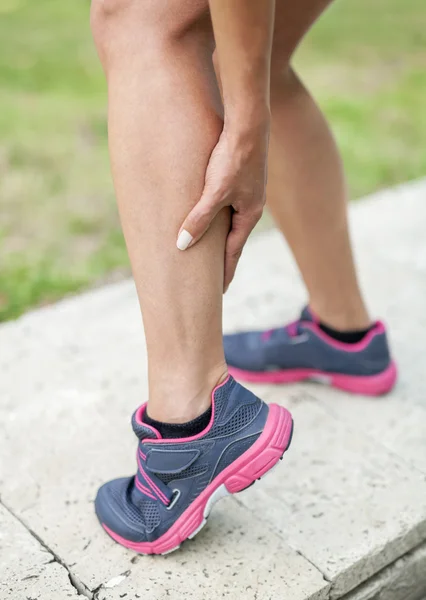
[304,161]
[163,98]
[173,142]
[306,191]
[236,174]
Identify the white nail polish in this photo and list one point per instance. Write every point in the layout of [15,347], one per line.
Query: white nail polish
[184,239]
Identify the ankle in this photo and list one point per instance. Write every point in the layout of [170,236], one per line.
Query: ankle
[342,318]
[182,397]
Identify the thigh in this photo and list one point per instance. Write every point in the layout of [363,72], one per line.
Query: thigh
[293,18]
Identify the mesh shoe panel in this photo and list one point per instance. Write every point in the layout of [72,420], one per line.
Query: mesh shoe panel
[233,452]
[139,511]
[243,416]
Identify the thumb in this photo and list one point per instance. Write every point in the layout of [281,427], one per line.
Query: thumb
[197,222]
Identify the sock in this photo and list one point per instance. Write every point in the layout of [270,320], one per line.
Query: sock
[347,337]
[178,430]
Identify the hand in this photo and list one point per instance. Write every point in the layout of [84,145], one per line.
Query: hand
[236,177]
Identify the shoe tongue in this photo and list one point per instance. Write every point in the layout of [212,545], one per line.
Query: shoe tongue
[306,315]
[293,329]
[141,429]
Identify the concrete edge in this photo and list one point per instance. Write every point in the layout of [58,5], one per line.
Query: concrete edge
[411,186]
[401,580]
[378,196]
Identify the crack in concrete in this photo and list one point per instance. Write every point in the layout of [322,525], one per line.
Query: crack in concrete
[114,582]
[78,585]
[324,576]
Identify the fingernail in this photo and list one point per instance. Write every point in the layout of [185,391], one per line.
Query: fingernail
[184,239]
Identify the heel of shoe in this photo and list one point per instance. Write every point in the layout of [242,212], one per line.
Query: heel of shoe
[371,385]
[265,452]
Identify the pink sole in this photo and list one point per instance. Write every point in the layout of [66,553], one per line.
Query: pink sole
[370,385]
[260,458]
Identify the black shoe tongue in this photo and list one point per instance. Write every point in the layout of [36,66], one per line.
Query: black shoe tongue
[143,431]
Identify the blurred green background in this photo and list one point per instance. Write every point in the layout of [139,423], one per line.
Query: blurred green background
[365,61]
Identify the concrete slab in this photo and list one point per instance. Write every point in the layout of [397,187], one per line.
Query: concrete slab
[346,503]
[63,412]
[27,570]
[394,220]
[395,291]
[392,225]
[402,580]
[236,556]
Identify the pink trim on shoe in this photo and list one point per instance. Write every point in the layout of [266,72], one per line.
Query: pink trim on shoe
[369,385]
[144,489]
[154,487]
[266,334]
[378,329]
[141,411]
[139,420]
[255,462]
[194,437]
[292,328]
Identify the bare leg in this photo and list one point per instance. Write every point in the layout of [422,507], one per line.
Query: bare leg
[163,125]
[306,189]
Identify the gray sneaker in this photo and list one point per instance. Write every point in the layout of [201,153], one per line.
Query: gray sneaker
[302,350]
[179,480]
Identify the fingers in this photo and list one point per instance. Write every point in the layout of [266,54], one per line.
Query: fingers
[198,221]
[242,226]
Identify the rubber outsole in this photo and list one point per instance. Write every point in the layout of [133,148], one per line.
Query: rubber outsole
[367,385]
[256,462]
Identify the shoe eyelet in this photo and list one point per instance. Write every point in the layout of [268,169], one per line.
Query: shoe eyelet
[175,498]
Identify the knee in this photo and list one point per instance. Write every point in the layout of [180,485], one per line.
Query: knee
[103,12]
[281,69]
[283,78]
[110,8]
[143,25]
[108,18]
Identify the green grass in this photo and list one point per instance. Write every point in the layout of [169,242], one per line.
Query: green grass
[59,229]
[365,62]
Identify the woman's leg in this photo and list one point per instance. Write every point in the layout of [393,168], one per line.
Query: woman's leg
[306,188]
[164,121]
[307,196]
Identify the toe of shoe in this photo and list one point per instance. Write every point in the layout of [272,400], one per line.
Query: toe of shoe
[116,512]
